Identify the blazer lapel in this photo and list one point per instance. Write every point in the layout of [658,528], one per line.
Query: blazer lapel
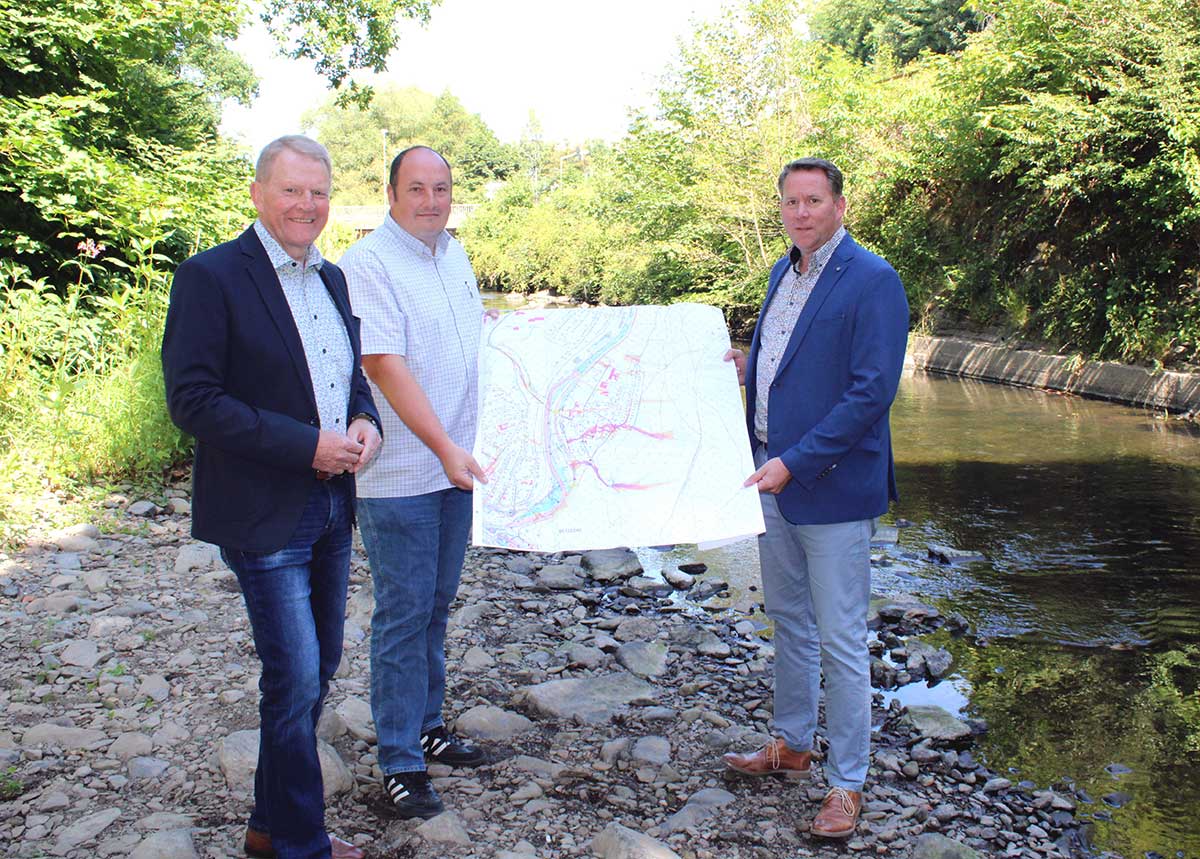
[336,295]
[266,281]
[834,269]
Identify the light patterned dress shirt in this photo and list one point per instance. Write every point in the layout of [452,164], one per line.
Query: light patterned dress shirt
[425,306]
[780,320]
[322,331]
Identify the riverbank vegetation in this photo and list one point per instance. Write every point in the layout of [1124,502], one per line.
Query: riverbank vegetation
[111,173]
[1031,166]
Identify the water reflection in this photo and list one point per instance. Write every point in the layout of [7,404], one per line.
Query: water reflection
[1088,516]
[1087,605]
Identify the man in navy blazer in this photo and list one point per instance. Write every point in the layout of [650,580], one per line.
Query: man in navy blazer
[824,365]
[261,361]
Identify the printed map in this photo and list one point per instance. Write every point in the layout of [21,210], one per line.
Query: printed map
[611,426]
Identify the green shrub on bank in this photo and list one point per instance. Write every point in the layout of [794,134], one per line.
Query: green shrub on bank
[1041,177]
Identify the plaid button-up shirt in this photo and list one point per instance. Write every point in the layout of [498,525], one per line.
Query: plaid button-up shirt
[425,306]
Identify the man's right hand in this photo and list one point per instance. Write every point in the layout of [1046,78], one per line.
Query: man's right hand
[462,469]
[336,453]
[738,357]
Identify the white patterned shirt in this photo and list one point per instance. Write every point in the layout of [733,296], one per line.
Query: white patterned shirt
[425,306]
[323,334]
[780,320]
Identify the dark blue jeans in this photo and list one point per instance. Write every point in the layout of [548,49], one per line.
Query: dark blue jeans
[296,599]
[416,547]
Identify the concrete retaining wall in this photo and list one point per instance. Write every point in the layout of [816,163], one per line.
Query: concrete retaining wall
[1174,392]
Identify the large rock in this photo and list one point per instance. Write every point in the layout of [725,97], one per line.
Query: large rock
[154,687]
[77,538]
[166,844]
[83,830]
[651,750]
[702,640]
[591,701]
[935,723]
[700,805]
[933,661]
[144,768]
[199,557]
[470,614]
[238,757]
[644,658]
[64,737]
[356,714]
[560,577]
[476,659]
[621,842]
[446,828]
[606,565]
[637,629]
[486,722]
[930,845]
[83,653]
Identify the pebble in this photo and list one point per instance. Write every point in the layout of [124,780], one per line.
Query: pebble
[132,710]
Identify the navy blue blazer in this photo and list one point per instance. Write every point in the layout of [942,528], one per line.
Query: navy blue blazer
[237,380]
[827,408]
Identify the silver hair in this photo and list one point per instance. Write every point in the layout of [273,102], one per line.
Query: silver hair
[297,143]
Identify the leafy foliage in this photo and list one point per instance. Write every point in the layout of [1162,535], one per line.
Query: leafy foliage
[342,36]
[363,140]
[1040,175]
[901,28]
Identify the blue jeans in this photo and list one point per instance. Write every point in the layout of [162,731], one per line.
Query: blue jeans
[416,547]
[817,589]
[296,599]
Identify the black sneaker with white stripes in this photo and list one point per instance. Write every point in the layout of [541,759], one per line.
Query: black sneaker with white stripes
[413,795]
[442,747]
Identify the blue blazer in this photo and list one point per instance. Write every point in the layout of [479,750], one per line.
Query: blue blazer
[237,380]
[827,408]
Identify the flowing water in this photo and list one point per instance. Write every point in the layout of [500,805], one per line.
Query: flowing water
[1085,655]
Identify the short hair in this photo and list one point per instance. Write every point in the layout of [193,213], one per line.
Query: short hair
[297,143]
[832,173]
[395,168]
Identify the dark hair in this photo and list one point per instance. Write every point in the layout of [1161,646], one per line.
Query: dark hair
[395,168]
[832,173]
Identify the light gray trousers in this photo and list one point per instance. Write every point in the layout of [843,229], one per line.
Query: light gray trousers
[817,589]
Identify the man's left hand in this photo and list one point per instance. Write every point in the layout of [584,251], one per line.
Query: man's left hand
[364,432]
[772,477]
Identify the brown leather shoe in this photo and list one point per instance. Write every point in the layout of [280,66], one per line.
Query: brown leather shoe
[775,758]
[838,815]
[258,845]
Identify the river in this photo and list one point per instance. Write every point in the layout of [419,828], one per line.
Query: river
[1084,653]
[1084,658]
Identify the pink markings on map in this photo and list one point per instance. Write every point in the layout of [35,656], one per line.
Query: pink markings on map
[591,466]
[607,428]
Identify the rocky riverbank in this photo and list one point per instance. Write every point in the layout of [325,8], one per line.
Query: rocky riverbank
[605,698]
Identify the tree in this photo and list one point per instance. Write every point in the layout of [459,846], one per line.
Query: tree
[901,28]
[363,140]
[101,102]
[342,36]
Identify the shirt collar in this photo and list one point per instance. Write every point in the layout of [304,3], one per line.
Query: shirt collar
[820,256]
[281,259]
[412,242]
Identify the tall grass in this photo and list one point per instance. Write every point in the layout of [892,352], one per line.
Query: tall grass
[81,391]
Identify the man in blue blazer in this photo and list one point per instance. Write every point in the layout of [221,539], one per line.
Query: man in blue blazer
[261,361]
[824,365]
